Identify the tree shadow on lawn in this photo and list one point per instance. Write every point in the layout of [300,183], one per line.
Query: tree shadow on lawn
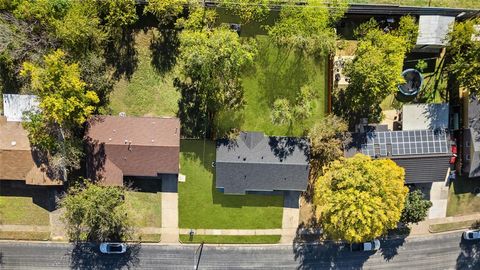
[469,257]
[164,50]
[121,54]
[282,74]
[88,256]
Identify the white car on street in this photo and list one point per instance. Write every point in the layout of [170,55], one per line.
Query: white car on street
[113,248]
[471,234]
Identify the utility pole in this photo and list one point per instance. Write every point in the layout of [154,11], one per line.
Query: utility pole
[199,251]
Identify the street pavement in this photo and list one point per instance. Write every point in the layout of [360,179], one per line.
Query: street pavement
[446,251]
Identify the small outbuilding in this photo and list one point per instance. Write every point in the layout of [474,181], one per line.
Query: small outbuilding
[425,116]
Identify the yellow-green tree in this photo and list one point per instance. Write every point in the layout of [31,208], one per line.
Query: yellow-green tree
[64,97]
[66,103]
[359,198]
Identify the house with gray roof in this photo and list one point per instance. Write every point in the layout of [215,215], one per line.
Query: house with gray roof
[471,140]
[254,162]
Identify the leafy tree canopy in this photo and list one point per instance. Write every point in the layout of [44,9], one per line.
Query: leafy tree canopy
[285,112]
[166,10]
[64,97]
[327,138]
[464,52]
[248,10]
[211,62]
[416,207]
[307,28]
[359,198]
[375,72]
[66,104]
[96,213]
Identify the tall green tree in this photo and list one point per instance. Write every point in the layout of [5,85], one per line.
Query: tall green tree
[359,198]
[248,10]
[416,207]
[286,112]
[211,62]
[464,53]
[65,104]
[375,72]
[96,213]
[327,138]
[166,10]
[307,29]
[64,97]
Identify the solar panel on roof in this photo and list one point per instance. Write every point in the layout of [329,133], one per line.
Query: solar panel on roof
[406,142]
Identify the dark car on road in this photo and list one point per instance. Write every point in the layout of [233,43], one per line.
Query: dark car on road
[373,245]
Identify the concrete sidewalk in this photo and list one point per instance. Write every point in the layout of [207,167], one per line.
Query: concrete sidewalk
[422,228]
[233,232]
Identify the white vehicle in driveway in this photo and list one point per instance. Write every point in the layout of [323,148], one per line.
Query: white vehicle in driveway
[373,245]
[471,234]
[113,248]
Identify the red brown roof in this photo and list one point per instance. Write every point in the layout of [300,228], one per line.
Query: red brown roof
[132,146]
[17,160]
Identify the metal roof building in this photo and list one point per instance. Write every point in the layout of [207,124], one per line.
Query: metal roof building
[424,154]
[14,106]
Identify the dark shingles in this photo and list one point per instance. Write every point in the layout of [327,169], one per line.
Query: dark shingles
[259,163]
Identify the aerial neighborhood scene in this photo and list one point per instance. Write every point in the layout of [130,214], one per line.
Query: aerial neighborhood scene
[240,134]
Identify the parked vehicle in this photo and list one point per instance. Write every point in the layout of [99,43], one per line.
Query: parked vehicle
[471,234]
[113,248]
[366,246]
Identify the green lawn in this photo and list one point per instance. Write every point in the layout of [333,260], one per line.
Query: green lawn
[425,3]
[144,208]
[39,236]
[147,93]
[277,74]
[452,226]
[22,211]
[201,206]
[231,239]
[461,197]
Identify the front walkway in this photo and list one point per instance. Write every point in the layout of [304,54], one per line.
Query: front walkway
[170,230]
[438,197]
[291,216]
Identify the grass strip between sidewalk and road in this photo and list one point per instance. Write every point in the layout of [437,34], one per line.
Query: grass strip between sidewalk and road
[230,239]
[18,235]
[148,238]
[452,226]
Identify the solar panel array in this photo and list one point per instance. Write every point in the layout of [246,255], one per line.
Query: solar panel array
[405,142]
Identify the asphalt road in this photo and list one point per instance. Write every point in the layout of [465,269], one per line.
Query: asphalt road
[446,251]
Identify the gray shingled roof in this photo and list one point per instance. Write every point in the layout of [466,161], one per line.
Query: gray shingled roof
[254,162]
[472,136]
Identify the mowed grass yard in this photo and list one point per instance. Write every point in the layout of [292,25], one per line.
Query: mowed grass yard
[277,73]
[22,211]
[461,198]
[147,93]
[144,208]
[201,206]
